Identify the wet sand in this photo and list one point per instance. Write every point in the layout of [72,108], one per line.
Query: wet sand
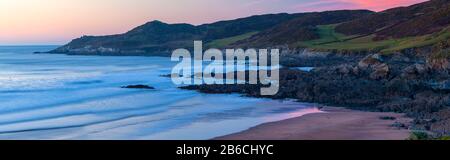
[333,124]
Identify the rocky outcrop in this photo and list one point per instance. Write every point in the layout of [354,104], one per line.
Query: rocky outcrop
[442,64]
[303,57]
[380,71]
[443,86]
[370,61]
[394,83]
[413,71]
[96,50]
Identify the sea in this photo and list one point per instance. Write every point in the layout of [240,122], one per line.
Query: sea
[57,96]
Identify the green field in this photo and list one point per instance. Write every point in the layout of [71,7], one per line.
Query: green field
[327,34]
[330,40]
[221,43]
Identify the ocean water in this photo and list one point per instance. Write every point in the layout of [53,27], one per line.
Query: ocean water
[51,96]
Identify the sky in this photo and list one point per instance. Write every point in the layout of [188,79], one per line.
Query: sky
[32,22]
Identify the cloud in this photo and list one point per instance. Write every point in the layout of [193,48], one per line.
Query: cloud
[379,5]
[323,5]
[376,5]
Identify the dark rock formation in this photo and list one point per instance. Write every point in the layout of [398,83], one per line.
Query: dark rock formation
[376,83]
[138,87]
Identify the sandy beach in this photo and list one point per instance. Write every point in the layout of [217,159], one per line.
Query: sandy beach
[333,124]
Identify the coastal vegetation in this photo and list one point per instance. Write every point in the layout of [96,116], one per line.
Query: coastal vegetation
[419,136]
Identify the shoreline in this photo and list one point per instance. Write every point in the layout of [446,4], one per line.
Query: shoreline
[334,123]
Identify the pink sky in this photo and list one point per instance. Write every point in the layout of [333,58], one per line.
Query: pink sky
[59,21]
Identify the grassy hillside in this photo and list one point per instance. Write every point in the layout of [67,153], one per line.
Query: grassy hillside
[416,20]
[393,30]
[302,28]
[221,43]
[349,30]
[441,50]
[154,38]
[330,40]
[327,34]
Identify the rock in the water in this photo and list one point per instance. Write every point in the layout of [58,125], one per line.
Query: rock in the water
[138,87]
[387,118]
